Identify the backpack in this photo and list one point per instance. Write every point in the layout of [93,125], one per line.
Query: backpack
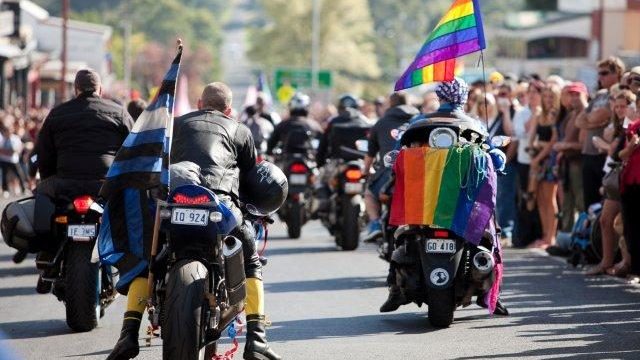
[586,238]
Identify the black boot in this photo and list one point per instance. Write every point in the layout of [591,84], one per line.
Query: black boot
[127,346]
[256,347]
[394,301]
[500,308]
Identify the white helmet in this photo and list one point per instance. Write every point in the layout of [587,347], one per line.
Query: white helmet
[299,101]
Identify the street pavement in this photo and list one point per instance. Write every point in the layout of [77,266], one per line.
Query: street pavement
[323,304]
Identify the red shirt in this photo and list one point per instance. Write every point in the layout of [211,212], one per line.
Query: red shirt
[631,171]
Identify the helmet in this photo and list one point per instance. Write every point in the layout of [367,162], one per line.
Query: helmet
[264,189]
[299,101]
[348,101]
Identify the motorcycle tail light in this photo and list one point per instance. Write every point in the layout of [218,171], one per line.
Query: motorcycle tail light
[82,204]
[353,174]
[191,200]
[441,234]
[298,168]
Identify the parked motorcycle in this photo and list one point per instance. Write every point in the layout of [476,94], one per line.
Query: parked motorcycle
[63,233]
[434,264]
[199,286]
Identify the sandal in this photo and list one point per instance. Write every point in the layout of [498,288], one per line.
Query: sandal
[620,269]
[539,244]
[597,270]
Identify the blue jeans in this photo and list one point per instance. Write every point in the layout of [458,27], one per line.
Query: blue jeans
[506,199]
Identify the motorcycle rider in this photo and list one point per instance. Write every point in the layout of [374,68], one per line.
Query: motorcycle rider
[295,132]
[77,144]
[382,141]
[349,115]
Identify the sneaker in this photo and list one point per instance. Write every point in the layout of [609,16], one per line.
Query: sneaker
[374,229]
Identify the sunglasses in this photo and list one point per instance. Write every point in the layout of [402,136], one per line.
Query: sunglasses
[635,79]
[604,73]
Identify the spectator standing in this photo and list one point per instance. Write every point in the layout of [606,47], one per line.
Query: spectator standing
[594,119]
[528,223]
[10,150]
[630,197]
[543,180]
[507,184]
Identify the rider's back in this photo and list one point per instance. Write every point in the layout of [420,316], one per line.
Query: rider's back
[222,147]
[81,137]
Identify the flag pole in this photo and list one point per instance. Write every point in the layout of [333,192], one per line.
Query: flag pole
[157,220]
[484,83]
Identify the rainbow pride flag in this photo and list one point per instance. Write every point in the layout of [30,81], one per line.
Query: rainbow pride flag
[458,33]
[449,188]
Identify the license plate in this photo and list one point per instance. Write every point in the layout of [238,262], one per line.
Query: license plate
[81,231]
[353,188]
[440,246]
[197,217]
[298,179]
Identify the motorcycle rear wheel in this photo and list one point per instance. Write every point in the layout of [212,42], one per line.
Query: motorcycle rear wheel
[294,220]
[441,304]
[82,287]
[185,301]
[350,230]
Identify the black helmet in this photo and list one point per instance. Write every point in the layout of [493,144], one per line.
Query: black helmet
[264,189]
[348,101]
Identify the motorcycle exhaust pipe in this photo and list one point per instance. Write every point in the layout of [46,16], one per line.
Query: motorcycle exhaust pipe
[483,264]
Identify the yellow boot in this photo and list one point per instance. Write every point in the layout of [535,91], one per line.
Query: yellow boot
[256,347]
[127,346]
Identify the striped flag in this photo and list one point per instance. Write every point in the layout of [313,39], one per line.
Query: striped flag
[142,161]
[263,87]
[459,32]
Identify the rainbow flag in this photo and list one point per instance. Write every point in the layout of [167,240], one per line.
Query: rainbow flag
[458,33]
[451,188]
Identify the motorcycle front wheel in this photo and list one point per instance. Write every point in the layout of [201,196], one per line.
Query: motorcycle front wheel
[182,330]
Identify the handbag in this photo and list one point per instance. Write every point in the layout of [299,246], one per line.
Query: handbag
[611,182]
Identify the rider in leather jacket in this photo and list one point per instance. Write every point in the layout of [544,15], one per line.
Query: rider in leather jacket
[79,140]
[295,131]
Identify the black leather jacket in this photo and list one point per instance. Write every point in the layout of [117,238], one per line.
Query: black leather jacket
[80,138]
[350,117]
[221,146]
[294,133]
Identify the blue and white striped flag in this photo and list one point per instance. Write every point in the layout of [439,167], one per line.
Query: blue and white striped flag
[142,163]
[143,160]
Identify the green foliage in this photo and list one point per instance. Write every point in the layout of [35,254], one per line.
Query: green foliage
[346,39]
[156,24]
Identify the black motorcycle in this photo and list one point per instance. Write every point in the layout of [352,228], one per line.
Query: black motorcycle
[344,218]
[64,236]
[434,265]
[199,286]
[300,170]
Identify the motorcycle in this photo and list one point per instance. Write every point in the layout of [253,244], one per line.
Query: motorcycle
[66,234]
[199,278]
[300,171]
[437,265]
[345,216]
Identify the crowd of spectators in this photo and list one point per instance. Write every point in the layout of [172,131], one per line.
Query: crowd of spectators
[574,151]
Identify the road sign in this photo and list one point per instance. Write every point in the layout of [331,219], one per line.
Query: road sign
[301,78]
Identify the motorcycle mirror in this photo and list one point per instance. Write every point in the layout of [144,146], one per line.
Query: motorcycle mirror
[315,143]
[500,141]
[362,145]
[390,158]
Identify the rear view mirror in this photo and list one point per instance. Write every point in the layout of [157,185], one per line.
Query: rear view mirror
[390,158]
[362,145]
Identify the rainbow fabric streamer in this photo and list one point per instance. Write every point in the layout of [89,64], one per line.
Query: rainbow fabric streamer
[449,188]
[458,33]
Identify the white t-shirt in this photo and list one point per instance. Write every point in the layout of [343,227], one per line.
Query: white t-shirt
[520,119]
[14,143]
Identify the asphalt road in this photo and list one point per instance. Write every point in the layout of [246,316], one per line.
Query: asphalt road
[323,304]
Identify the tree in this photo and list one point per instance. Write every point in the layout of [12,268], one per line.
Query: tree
[346,40]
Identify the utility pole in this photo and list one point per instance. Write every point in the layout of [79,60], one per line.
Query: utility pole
[315,44]
[63,55]
[127,58]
